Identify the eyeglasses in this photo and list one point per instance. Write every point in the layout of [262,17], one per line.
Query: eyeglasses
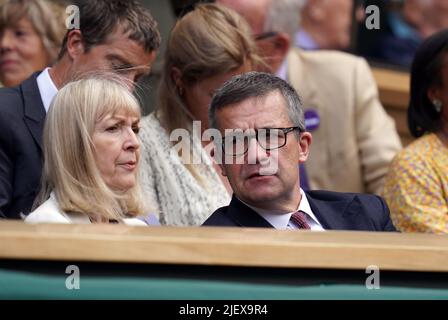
[265,35]
[237,142]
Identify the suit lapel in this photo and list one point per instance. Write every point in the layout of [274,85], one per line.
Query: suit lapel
[34,111]
[329,214]
[343,214]
[244,216]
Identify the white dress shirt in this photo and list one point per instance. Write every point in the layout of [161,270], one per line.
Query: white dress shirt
[47,88]
[281,221]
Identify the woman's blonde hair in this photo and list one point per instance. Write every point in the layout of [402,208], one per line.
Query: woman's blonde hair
[47,18]
[70,170]
[208,41]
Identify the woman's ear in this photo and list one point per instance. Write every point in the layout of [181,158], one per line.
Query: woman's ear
[75,45]
[433,94]
[176,76]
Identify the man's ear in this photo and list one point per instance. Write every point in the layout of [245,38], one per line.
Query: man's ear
[214,154]
[304,142]
[223,170]
[221,162]
[282,42]
[75,45]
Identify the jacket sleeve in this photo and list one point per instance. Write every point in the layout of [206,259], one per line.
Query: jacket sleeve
[387,221]
[377,137]
[6,168]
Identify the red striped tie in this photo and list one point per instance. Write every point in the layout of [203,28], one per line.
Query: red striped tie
[300,220]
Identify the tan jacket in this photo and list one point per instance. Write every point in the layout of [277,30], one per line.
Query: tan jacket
[356,139]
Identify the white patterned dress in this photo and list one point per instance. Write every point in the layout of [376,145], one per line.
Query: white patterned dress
[176,196]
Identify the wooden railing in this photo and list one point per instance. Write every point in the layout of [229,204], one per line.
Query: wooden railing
[224,247]
[393,87]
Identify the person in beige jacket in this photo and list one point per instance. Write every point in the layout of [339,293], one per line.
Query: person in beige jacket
[354,138]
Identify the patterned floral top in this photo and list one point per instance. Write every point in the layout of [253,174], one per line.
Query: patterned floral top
[416,187]
[177,197]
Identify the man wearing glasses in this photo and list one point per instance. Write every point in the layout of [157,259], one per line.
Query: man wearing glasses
[260,118]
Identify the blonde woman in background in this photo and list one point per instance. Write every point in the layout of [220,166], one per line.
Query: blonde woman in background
[206,47]
[31,33]
[91,156]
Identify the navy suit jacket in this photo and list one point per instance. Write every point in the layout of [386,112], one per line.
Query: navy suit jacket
[22,116]
[334,210]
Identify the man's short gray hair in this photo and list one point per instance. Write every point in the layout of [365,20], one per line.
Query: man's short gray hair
[254,85]
[283,16]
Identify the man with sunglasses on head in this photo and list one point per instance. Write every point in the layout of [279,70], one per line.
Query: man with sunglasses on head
[261,121]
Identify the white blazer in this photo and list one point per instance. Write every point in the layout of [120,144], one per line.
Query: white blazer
[49,212]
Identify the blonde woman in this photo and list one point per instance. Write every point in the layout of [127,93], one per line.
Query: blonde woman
[31,33]
[91,156]
[206,47]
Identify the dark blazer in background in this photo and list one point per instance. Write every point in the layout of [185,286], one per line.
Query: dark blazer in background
[334,210]
[22,116]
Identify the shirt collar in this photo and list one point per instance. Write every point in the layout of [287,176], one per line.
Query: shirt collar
[304,206]
[47,88]
[302,39]
[76,218]
[282,72]
[279,220]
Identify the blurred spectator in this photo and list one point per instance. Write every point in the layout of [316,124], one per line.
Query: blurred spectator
[404,25]
[416,187]
[207,46]
[426,16]
[91,156]
[31,33]
[326,24]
